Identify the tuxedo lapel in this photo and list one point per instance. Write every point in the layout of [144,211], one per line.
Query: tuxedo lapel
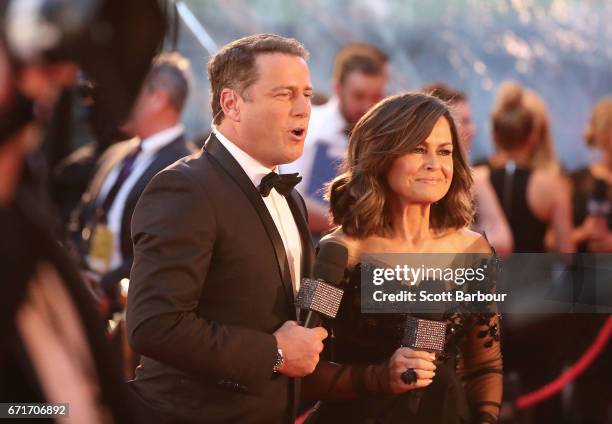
[214,148]
[299,216]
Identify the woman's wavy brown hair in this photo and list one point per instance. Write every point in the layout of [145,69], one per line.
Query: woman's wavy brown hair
[394,127]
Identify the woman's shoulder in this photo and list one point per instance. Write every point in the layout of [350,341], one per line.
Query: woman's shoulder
[549,179]
[339,236]
[545,191]
[467,241]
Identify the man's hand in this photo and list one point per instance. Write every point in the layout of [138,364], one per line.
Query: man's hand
[301,348]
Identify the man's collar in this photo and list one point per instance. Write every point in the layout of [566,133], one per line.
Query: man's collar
[254,169]
[162,138]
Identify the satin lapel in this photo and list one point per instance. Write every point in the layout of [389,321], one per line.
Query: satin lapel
[215,149]
[300,219]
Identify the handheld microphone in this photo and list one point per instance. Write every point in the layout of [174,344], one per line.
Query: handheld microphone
[425,331]
[424,334]
[319,295]
[599,205]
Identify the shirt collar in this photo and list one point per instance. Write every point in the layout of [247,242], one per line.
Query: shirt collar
[254,169]
[158,140]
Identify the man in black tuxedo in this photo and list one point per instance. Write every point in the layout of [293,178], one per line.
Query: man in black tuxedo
[220,245]
[101,224]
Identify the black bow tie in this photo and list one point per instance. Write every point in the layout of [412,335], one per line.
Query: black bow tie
[283,183]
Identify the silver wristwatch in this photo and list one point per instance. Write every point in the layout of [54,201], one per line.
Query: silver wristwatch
[280,358]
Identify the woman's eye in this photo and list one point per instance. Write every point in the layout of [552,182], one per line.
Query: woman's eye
[419,150]
[446,152]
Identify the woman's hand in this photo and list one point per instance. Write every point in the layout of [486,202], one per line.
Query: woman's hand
[594,231]
[404,358]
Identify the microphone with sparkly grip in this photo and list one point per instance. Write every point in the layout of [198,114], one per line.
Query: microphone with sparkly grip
[320,295]
[422,334]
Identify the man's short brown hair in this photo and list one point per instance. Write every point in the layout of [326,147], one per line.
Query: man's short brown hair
[170,72]
[234,65]
[359,57]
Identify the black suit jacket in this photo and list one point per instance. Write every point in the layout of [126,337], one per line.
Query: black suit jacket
[85,213]
[209,285]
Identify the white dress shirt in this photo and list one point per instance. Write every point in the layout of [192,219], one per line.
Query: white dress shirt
[150,146]
[277,206]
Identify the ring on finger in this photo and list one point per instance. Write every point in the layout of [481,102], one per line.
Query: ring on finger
[409,376]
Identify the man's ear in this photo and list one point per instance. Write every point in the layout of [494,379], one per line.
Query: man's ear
[230,104]
[336,87]
[160,99]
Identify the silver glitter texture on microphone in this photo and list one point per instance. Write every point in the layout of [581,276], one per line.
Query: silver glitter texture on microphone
[423,334]
[319,296]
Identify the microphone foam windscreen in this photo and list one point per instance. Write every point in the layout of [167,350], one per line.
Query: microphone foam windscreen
[424,334]
[315,295]
[331,262]
[600,190]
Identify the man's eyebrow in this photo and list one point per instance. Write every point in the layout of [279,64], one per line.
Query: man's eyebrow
[289,87]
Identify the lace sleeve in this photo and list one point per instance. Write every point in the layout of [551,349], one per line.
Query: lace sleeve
[481,368]
[481,360]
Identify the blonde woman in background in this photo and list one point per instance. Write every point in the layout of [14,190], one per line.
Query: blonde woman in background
[532,198]
[591,201]
[542,156]
[593,230]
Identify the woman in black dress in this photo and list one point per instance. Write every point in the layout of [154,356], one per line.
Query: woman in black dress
[405,189]
[592,186]
[533,199]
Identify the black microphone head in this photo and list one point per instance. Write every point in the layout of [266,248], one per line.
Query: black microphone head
[600,191]
[330,263]
[598,204]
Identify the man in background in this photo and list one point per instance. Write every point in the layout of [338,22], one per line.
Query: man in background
[359,82]
[101,224]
